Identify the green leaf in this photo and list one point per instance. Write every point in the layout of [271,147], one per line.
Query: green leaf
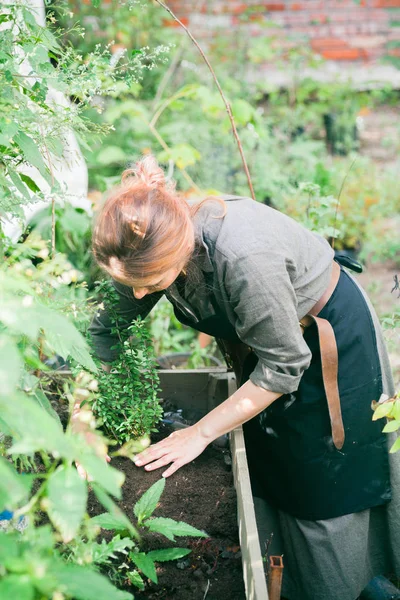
[9,547]
[114,510]
[29,182]
[396,410]
[242,111]
[7,131]
[12,489]
[55,146]
[44,403]
[96,3]
[65,340]
[74,221]
[15,178]
[34,427]
[109,522]
[170,528]
[32,155]
[396,446]
[83,583]
[391,426]
[145,564]
[67,496]
[29,18]
[168,554]
[184,155]
[382,410]
[135,579]
[50,42]
[17,587]
[111,155]
[4,18]
[102,473]
[10,366]
[101,553]
[146,505]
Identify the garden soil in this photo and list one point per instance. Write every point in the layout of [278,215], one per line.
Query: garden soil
[201,494]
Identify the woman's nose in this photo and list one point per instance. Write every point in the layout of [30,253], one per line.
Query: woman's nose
[140,293]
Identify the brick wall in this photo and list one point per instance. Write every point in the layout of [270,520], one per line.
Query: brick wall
[339,30]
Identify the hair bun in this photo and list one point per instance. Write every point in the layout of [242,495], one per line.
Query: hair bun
[148,171]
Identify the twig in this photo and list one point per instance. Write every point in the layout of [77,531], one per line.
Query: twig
[166,103]
[53,200]
[168,74]
[227,105]
[167,148]
[338,202]
[162,142]
[207,588]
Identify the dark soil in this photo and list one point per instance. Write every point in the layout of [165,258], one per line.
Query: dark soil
[201,494]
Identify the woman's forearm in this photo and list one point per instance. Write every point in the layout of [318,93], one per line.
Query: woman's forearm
[247,402]
[185,445]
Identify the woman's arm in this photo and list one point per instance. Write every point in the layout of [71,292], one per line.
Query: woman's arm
[185,445]
[247,402]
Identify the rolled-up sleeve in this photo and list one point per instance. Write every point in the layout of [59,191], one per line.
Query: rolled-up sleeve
[264,304]
[127,309]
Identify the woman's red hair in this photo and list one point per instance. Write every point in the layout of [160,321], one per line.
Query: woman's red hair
[144,228]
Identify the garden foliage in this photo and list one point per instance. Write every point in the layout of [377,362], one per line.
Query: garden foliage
[58,79]
[127,403]
[57,555]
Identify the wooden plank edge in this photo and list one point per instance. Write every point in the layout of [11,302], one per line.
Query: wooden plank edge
[253,566]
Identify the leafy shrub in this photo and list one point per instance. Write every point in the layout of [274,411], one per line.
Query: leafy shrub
[61,559]
[127,403]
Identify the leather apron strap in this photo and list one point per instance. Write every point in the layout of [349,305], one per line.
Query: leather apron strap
[329,362]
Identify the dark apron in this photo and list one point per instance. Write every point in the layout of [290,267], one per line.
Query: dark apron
[292,460]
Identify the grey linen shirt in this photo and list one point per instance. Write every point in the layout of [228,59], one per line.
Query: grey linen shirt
[266,273]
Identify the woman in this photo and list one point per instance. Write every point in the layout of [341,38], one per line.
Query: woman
[247,274]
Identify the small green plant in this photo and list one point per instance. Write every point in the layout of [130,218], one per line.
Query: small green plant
[145,562]
[127,404]
[317,212]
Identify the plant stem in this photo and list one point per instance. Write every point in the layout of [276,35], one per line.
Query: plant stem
[53,201]
[29,505]
[168,74]
[338,202]
[227,105]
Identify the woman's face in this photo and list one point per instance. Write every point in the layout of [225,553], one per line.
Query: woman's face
[161,282]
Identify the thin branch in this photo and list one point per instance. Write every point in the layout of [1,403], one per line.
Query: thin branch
[338,202]
[227,105]
[167,148]
[53,200]
[166,103]
[169,73]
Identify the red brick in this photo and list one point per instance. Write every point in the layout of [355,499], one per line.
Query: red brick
[308,5]
[171,23]
[275,7]
[239,9]
[386,3]
[343,54]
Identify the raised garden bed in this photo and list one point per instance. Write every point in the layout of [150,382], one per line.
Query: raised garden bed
[201,494]
[197,392]
[212,493]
